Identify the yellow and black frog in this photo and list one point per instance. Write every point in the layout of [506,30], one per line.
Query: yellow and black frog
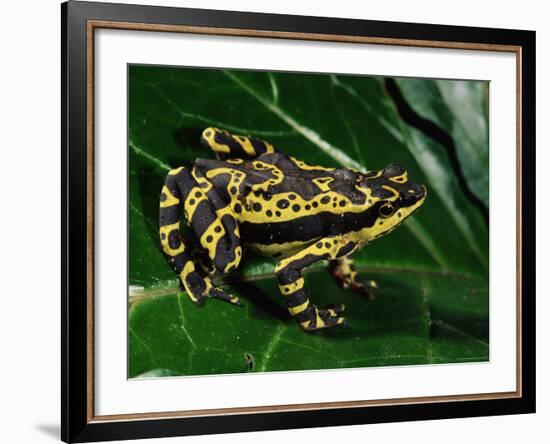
[254,197]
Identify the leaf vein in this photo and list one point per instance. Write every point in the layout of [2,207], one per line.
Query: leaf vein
[311,135]
[271,346]
[210,121]
[146,346]
[159,163]
[182,322]
[457,331]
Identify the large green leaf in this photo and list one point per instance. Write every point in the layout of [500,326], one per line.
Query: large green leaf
[432,305]
[416,318]
[460,108]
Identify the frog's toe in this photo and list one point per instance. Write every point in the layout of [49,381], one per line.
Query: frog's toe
[343,281]
[326,318]
[370,285]
[329,318]
[333,309]
[197,299]
[365,288]
[217,293]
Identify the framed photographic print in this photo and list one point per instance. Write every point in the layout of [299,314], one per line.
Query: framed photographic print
[276,221]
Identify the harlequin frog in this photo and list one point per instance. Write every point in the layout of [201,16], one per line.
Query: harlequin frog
[255,197]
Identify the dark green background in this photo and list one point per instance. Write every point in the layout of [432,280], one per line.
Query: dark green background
[432,305]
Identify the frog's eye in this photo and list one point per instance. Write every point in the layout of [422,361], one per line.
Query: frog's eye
[386,209]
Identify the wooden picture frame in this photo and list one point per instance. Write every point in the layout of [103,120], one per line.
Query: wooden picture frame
[80,20]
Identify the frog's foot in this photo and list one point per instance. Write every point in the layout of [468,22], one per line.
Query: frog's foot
[200,288]
[366,288]
[322,318]
[345,274]
[217,293]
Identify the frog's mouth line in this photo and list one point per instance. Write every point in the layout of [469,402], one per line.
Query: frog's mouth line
[412,209]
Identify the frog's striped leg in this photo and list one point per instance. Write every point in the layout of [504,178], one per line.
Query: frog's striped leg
[291,283]
[227,145]
[213,222]
[178,186]
[345,274]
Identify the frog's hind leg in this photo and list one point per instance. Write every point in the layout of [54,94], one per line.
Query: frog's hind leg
[291,284]
[178,186]
[212,219]
[227,146]
[345,274]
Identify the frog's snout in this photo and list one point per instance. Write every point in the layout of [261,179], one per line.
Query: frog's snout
[418,190]
[414,192]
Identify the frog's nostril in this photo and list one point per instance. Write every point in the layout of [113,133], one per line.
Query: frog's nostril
[419,191]
[414,192]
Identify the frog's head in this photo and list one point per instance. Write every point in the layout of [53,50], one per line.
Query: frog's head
[391,198]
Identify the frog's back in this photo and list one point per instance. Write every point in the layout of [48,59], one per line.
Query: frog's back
[281,203]
[276,174]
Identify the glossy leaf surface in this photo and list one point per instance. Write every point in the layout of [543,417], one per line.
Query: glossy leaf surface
[432,304]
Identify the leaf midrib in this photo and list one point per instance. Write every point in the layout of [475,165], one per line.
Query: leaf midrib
[135,296]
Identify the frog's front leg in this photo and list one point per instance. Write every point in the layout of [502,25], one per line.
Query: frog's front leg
[345,274]
[291,283]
